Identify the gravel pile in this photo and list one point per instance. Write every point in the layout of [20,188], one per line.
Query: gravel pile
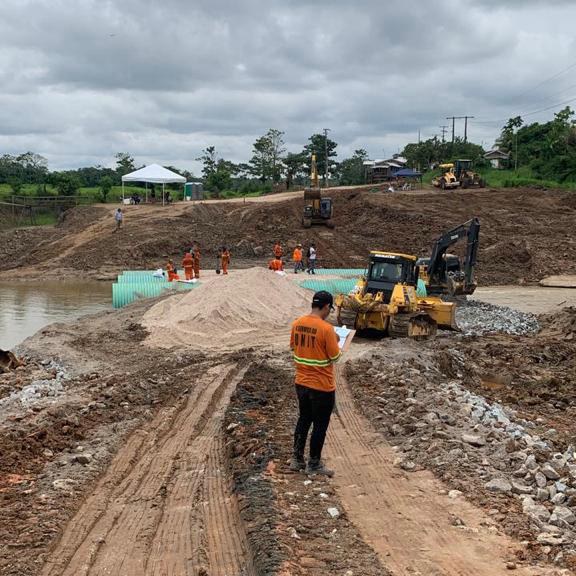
[477,318]
[473,444]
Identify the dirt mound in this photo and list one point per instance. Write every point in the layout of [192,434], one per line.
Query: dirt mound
[561,323]
[78,218]
[252,307]
[525,234]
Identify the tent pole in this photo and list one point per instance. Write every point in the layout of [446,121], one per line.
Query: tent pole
[122,191]
[163,194]
[146,201]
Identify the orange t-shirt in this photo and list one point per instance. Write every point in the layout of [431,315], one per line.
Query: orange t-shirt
[276,265]
[297,255]
[315,347]
[278,250]
[188,261]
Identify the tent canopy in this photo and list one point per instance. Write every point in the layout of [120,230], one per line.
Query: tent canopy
[155,174]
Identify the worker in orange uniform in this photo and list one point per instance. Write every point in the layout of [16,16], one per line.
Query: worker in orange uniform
[171,271]
[276,264]
[315,347]
[225,259]
[278,252]
[188,265]
[297,258]
[196,255]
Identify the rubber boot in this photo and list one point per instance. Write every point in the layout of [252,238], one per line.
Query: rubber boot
[317,467]
[297,462]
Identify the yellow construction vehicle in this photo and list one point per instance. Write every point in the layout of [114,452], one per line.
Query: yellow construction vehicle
[466,176]
[447,179]
[317,210]
[444,273]
[386,301]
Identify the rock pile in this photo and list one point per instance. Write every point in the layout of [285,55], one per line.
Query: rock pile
[470,442]
[476,318]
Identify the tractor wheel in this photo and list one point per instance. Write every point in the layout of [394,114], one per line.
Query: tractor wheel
[399,326]
[346,317]
[443,184]
[330,224]
[482,183]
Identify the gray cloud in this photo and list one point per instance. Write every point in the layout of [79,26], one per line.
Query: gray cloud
[83,79]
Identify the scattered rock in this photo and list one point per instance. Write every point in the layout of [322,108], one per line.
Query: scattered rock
[333,512]
[474,440]
[550,472]
[519,488]
[83,458]
[499,485]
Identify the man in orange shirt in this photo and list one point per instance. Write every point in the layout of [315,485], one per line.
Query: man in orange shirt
[315,347]
[225,259]
[278,252]
[196,255]
[297,258]
[188,265]
[276,265]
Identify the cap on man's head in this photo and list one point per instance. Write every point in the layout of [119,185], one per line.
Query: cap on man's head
[322,298]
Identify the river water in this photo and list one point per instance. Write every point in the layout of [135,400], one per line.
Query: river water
[26,307]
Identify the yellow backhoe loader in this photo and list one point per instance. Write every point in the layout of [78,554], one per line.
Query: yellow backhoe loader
[447,179]
[466,176]
[386,301]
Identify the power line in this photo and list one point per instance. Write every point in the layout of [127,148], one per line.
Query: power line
[454,118]
[444,130]
[546,80]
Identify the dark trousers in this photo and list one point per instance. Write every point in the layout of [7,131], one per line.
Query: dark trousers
[315,411]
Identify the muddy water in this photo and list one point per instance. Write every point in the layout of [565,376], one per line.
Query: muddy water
[27,307]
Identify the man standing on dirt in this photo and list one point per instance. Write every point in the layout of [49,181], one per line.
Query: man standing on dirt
[196,255]
[315,347]
[297,258]
[311,259]
[118,217]
[278,252]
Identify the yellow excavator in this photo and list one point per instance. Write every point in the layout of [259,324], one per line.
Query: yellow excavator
[317,210]
[444,273]
[386,301]
[447,179]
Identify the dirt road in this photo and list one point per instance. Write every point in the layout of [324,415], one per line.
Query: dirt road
[534,299]
[164,506]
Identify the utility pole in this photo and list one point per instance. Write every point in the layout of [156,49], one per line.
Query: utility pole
[466,128]
[454,118]
[326,130]
[444,130]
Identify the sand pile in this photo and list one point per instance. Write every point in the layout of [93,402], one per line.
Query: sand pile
[253,307]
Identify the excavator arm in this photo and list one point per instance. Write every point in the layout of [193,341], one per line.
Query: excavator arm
[437,265]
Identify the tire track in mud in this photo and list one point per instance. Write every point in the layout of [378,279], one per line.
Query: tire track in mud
[148,515]
[405,517]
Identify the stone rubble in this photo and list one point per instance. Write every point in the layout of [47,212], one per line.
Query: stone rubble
[476,318]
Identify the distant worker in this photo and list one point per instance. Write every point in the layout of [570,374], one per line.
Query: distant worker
[225,259]
[276,264]
[119,218]
[188,265]
[312,255]
[297,258]
[196,255]
[315,347]
[171,271]
[278,252]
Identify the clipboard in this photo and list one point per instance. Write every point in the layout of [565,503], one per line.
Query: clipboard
[345,336]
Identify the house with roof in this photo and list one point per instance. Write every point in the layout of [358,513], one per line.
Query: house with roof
[498,158]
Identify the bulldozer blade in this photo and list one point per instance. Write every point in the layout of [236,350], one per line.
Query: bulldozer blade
[422,327]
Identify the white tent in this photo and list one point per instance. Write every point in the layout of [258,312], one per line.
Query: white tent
[155,174]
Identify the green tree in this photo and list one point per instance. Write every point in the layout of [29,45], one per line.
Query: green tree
[319,145]
[66,183]
[124,163]
[295,166]
[105,188]
[351,171]
[209,161]
[15,184]
[266,162]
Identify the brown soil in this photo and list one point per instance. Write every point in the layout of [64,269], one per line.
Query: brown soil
[526,234]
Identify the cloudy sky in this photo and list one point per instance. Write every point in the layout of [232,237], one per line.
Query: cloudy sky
[161,79]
